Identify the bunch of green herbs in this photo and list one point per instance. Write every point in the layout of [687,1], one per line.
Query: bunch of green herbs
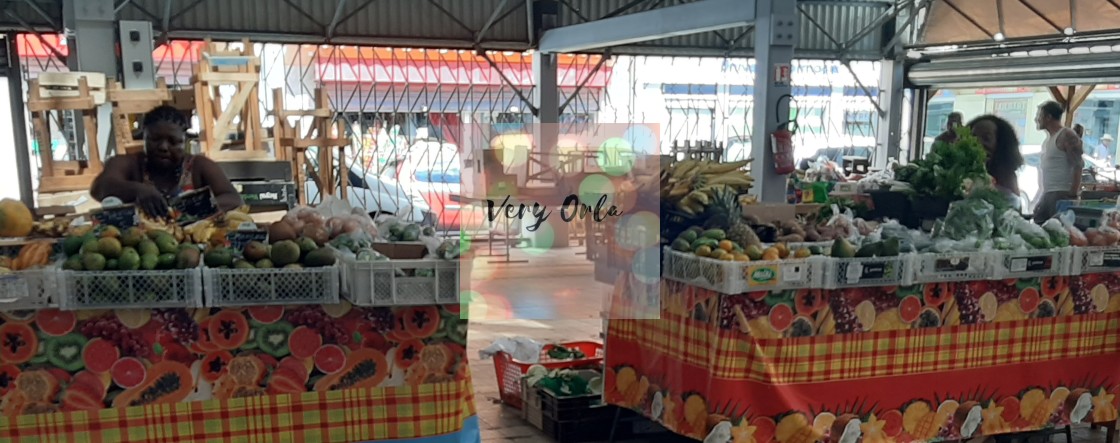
[943,172]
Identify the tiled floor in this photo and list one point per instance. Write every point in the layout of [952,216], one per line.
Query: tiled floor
[551,298]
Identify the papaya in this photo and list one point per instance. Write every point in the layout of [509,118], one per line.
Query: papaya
[936,294]
[421,321]
[365,368]
[167,382]
[37,386]
[32,255]
[437,358]
[18,343]
[1052,286]
[229,329]
[15,218]
[408,353]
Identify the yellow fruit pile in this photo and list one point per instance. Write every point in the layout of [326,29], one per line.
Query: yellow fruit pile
[15,219]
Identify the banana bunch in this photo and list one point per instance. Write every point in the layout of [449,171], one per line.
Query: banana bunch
[176,231]
[200,231]
[55,227]
[234,219]
[691,185]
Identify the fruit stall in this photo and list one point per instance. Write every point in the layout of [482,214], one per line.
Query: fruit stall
[838,328]
[219,329]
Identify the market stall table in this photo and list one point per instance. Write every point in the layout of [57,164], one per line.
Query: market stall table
[938,361]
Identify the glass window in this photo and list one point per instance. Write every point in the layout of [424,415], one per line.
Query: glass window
[937,117]
[860,123]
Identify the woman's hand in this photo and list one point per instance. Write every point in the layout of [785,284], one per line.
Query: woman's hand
[151,201]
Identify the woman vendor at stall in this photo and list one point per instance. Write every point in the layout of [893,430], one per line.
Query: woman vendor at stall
[1004,159]
[164,170]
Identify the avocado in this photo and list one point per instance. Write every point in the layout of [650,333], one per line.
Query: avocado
[89,246]
[256,251]
[129,260]
[285,253]
[156,233]
[689,236]
[264,263]
[147,247]
[842,248]
[186,259]
[109,247]
[716,234]
[319,258]
[165,261]
[166,243]
[149,262]
[242,264]
[306,245]
[869,250]
[73,245]
[216,258]
[73,263]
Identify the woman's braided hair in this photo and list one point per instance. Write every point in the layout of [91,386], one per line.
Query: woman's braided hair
[166,114]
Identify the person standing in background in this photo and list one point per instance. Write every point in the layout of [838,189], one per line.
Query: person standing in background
[1104,150]
[956,119]
[1079,130]
[1061,162]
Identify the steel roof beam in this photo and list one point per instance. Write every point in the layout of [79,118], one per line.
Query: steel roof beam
[689,18]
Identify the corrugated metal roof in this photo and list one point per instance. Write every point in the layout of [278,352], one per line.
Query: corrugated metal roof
[454,23]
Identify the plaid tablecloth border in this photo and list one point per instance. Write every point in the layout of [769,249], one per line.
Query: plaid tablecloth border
[336,416]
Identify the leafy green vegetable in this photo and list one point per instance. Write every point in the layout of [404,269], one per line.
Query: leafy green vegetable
[943,172]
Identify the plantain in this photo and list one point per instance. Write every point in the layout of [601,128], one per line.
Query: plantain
[719,168]
[700,197]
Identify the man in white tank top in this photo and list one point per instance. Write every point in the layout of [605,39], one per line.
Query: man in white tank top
[1061,162]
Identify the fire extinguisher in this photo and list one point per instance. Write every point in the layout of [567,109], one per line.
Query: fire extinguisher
[781,141]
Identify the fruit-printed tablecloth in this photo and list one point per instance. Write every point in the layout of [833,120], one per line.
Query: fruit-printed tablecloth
[921,363]
[270,373]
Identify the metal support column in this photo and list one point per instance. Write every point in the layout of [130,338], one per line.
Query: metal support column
[919,107]
[92,39]
[546,99]
[776,30]
[889,138]
[19,120]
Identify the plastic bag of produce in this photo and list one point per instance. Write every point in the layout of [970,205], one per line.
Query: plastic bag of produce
[302,216]
[1013,242]
[1076,237]
[1012,222]
[1059,236]
[843,225]
[967,218]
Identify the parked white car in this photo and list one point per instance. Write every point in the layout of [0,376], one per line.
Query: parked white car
[378,195]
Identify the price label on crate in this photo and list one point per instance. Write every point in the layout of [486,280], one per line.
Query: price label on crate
[194,206]
[854,272]
[952,264]
[1031,264]
[792,273]
[858,272]
[120,216]
[1102,258]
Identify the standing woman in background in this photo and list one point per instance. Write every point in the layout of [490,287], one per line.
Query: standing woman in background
[1004,159]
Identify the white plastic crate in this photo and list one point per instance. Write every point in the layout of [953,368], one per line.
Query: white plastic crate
[1028,264]
[949,266]
[130,289]
[867,271]
[396,282]
[277,286]
[1094,259]
[30,289]
[731,277]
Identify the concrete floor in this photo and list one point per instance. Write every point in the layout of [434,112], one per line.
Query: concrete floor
[551,298]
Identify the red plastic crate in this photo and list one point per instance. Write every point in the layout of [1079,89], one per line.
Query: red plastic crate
[510,371]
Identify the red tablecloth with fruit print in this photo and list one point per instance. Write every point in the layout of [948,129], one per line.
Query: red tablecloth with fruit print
[891,364]
[295,373]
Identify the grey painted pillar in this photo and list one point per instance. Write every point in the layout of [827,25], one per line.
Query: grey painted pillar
[775,31]
[19,120]
[92,39]
[546,133]
[889,138]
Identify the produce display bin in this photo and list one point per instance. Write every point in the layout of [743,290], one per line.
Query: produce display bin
[862,272]
[1094,259]
[180,288]
[575,419]
[401,282]
[731,277]
[252,287]
[1029,264]
[510,371]
[949,266]
[30,289]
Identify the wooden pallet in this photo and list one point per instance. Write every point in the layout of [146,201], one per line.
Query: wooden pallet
[292,141]
[240,69]
[129,105]
[79,92]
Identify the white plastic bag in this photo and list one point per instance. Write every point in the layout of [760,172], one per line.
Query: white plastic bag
[522,349]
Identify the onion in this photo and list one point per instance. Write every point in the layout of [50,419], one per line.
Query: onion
[351,226]
[334,225]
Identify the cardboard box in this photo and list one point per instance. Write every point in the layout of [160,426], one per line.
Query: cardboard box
[770,212]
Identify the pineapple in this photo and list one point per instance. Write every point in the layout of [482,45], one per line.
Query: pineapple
[727,202]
